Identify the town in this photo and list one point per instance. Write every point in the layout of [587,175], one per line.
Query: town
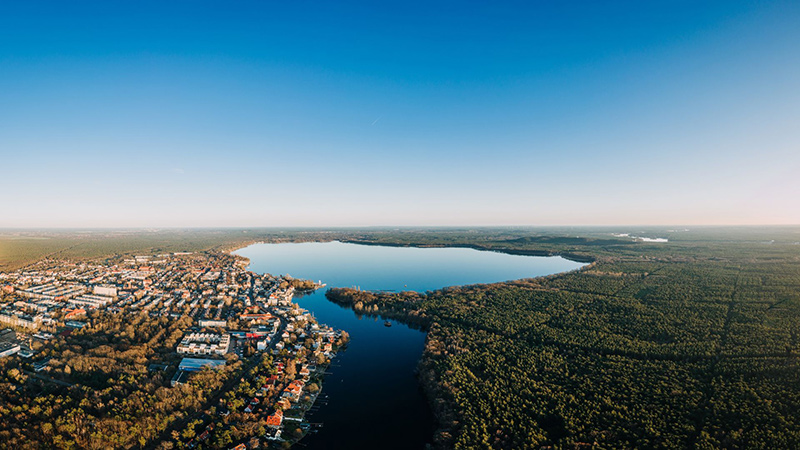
[266,355]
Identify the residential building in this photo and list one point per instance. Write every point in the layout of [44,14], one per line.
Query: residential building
[204,344]
[18,319]
[106,290]
[9,348]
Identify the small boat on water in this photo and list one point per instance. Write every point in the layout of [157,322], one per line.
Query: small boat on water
[387,324]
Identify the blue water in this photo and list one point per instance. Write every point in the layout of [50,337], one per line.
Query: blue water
[373,398]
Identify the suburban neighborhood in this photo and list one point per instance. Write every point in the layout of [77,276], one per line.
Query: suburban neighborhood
[271,354]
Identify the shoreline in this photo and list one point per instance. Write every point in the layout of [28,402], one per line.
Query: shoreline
[425,378]
[508,251]
[585,259]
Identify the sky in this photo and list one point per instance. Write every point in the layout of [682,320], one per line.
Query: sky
[251,114]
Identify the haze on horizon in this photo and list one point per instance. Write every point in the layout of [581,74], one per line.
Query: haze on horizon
[208,114]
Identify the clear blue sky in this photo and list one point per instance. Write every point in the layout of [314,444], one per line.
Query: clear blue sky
[399,113]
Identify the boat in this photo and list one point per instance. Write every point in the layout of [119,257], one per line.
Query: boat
[387,324]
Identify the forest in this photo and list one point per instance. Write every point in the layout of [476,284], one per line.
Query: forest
[100,390]
[690,344]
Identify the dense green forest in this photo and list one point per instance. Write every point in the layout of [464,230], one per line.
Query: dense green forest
[688,344]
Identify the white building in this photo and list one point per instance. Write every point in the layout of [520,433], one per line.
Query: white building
[106,290]
[204,344]
[8,348]
[91,301]
[18,319]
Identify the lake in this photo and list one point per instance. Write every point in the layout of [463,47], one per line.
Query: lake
[373,398]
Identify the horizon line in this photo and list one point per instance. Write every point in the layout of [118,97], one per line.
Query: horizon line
[335,227]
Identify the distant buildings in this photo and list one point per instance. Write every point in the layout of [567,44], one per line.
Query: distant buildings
[39,307]
[74,313]
[91,301]
[8,335]
[275,420]
[43,337]
[18,319]
[212,290]
[106,290]
[204,344]
[195,364]
[42,365]
[181,377]
[255,317]
[189,365]
[8,343]
[52,291]
[9,348]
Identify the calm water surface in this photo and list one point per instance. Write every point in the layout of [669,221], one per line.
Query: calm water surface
[374,400]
